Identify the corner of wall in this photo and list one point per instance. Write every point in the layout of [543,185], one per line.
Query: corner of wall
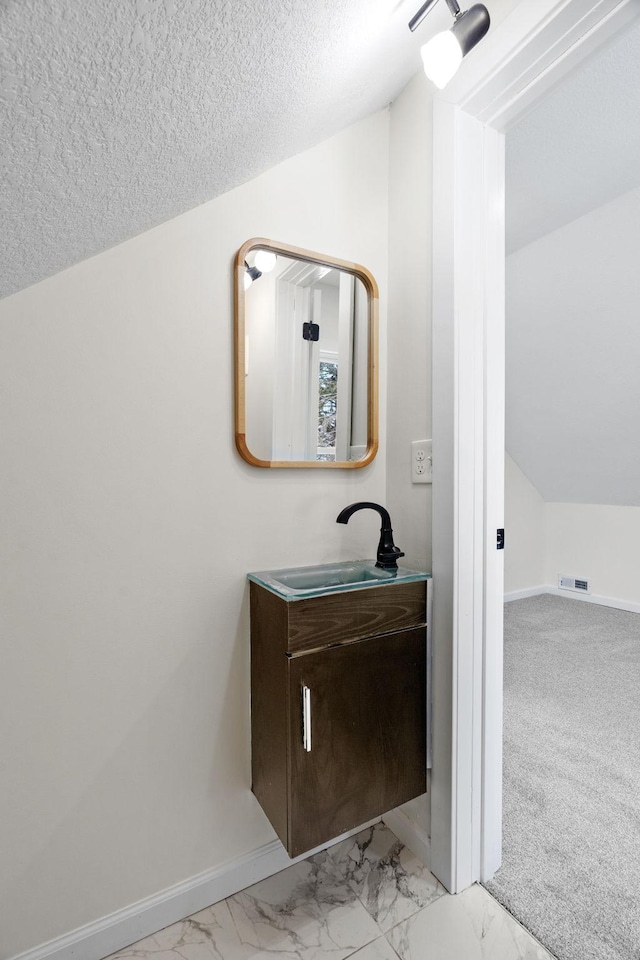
[409,314]
[525,531]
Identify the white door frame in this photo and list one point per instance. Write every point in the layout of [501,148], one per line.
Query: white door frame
[519,61]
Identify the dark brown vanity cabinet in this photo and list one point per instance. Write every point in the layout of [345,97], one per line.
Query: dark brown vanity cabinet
[338,708]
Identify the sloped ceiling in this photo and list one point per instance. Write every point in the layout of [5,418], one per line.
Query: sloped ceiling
[119,114]
[580,147]
[573,358]
[573,284]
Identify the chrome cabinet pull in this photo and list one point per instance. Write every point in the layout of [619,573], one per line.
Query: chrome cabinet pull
[306,718]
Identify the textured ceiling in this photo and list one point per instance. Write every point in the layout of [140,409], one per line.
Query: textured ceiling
[580,147]
[117,115]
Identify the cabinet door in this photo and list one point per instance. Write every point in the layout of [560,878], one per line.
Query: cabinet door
[367,706]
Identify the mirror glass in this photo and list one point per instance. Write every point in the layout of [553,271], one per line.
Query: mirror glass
[306,339]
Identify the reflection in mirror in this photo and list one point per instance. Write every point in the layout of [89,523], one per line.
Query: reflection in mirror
[305,359]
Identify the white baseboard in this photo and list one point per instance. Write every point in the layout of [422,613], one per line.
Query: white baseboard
[628,605]
[594,598]
[523,594]
[413,836]
[103,937]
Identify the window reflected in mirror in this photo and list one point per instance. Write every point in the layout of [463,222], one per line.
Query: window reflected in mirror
[305,359]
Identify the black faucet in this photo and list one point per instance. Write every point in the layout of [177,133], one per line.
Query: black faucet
[388,553]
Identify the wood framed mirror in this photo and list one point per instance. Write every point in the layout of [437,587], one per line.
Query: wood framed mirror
[306,358]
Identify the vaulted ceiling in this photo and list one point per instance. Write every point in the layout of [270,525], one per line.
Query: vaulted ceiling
[118,115]
[578,148]
[573,284]
[573,355]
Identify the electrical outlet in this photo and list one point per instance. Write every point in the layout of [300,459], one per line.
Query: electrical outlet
[421,461]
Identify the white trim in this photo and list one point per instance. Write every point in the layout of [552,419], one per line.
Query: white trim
[445,709]
[594,598]
[142,919]
[530,52]
[490,667]
[521,60]
[523,594]
[409,833]
[628,605]
[468,498]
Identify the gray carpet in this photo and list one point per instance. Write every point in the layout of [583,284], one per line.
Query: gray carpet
[571,851]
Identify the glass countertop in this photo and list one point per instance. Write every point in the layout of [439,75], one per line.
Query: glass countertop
[299,583]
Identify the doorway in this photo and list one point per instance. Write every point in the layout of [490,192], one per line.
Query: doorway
[527,55]
[572,650]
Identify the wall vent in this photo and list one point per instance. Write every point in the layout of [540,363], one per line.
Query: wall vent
[577,584]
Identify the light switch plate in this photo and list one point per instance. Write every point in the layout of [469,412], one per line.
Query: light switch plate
[421,461]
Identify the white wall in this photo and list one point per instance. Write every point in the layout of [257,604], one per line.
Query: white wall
[525,531]
[597,542]
[573,352]
[573,355]
[409,334]
[547,540]
[129,523]
[409,329]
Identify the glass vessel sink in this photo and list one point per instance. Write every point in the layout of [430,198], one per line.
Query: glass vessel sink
[297,583]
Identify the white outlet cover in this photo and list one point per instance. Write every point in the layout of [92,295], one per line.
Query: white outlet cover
[421,461]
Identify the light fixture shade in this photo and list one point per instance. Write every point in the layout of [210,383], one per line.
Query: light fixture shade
[441,57]
[443,54]
[265,260]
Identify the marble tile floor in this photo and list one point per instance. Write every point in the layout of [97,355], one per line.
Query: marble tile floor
[366,898]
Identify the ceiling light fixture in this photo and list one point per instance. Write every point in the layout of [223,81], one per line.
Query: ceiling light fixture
[443,54]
